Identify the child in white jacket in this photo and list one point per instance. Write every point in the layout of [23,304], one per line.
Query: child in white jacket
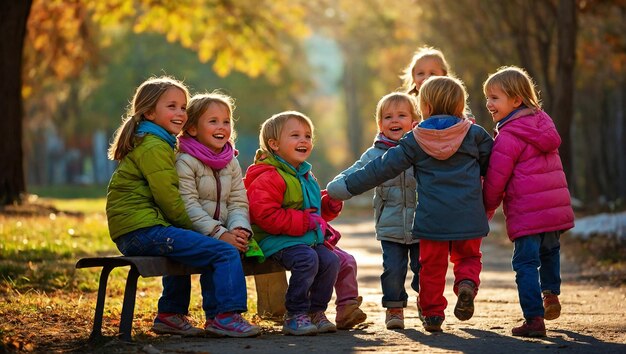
[211,183]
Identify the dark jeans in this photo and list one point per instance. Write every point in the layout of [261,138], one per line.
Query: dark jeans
[396,257]
[223,283]
[537,265]
[313,274]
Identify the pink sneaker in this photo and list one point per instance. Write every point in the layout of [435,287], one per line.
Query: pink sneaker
[231,324]
[174,323]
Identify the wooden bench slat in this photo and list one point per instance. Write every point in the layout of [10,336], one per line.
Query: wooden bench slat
[146,266]
[151,266]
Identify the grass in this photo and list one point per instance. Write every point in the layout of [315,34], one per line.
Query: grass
[41,291]
[69,191]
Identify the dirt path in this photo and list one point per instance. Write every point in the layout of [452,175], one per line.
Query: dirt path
[593,317]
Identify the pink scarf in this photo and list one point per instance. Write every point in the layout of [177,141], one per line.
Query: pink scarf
[196,149]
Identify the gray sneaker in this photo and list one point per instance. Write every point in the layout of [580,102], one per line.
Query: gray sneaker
[322,323]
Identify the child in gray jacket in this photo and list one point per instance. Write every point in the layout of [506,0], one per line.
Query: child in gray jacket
[394,206]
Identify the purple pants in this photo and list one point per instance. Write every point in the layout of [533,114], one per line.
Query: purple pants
[313,273]
[346,286]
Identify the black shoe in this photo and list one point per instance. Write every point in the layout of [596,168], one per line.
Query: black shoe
[433,323]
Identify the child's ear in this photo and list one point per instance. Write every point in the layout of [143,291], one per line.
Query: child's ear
[149,115]
[273,143]
[192,131]
[517,101]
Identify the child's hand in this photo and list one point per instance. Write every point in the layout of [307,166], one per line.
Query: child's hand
[335,205]
[315,221]
[237,239]
[242,232]
[337,189]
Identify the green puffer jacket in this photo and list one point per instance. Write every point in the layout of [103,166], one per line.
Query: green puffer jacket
[143,190]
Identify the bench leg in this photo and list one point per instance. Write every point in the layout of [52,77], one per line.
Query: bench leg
[96,332]
[271,289]
[128,307]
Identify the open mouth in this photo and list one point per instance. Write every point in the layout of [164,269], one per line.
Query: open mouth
[177,121]
[302,149]
[396,129]
[218,136]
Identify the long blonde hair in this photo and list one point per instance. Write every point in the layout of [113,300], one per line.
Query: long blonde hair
[423,52]
[393,99]
[273,126]
[444,95]
[199,103]
[144,101]
[515,82]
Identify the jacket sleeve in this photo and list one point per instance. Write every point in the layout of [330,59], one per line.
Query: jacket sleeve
[157,165]
[187,170]
[238,215]
[485,145]
[337,187]
[506,150]
[331,208]
[395,161]
[266,194]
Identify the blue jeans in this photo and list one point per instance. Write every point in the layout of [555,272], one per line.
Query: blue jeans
[223,283]
[313,274]
[396,257]
[537,265]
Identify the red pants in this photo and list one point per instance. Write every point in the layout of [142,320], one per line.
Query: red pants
[466,257]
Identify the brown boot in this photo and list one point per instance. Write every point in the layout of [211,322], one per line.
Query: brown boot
[464,309]
[350,315]
[551,305]
[532,327]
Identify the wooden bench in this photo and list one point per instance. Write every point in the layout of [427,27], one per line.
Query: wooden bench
[270,279]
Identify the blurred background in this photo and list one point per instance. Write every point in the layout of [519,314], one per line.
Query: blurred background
[330,59]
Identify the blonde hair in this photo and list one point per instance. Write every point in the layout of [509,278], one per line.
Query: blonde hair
[144,101]
[199,103]
[273,126]
[515,82]
[393,99]
[424,52]
[444,95]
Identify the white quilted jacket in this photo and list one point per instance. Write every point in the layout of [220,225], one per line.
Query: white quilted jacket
[199,191]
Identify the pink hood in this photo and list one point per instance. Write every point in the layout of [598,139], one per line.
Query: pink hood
[441,144]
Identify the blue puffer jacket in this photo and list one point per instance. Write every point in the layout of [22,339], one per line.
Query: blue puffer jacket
[449,155]
[394,200]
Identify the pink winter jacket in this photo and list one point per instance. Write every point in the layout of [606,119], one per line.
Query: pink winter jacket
[526,174]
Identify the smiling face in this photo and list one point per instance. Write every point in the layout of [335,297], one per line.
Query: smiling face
[295,142]
[425,68]
[170,111]
[214,127]
[499,104]
[395,120]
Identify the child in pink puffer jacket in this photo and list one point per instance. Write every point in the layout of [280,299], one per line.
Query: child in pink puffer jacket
[526,174]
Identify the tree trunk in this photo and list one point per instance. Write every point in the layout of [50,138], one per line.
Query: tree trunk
[13,18]
[564,86]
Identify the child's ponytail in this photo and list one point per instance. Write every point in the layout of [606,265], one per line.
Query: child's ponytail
[123,139]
